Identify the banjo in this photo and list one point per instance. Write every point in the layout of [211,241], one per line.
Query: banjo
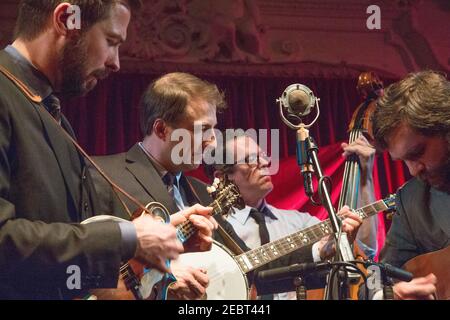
[227,273]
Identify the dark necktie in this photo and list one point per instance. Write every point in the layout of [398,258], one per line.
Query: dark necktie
[53,105]
[260,220]
[263,235]
[169,180]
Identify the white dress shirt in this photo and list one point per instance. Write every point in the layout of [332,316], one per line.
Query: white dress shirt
[280,223]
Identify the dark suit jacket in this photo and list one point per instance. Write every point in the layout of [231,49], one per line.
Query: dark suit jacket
[136,174]
[44,193]
[421,225]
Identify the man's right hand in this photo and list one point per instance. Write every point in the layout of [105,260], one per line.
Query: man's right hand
[191,282]
[156,242]
[417,289]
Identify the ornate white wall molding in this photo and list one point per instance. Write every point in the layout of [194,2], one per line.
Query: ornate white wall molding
[280,37]
[280,33]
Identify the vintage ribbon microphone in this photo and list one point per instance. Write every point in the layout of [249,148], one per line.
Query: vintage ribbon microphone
[297,102]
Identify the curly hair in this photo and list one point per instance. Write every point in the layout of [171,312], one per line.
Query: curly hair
[421,100]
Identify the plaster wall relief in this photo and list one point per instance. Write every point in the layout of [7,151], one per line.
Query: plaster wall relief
[280,37]
[199,30]
[428,33]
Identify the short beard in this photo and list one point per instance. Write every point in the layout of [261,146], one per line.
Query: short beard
[444,171]
[447,167]
[73,66]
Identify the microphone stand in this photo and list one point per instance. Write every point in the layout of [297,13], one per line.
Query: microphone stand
[307,152]
[298,100]
[300,288]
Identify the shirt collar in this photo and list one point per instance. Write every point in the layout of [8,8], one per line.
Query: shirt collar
[158,166]
[31,76]
[242,215]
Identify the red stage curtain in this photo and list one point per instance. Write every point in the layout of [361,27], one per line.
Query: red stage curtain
[107,122]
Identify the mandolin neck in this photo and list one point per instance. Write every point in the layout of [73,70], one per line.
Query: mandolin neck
[187,229]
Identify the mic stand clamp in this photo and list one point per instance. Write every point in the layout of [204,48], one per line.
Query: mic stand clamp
[388,284]
[300,288]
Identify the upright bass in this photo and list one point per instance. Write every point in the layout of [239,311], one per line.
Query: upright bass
[369,87]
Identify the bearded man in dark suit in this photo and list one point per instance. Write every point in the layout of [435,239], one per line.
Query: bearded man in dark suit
[45,189]
[153,170]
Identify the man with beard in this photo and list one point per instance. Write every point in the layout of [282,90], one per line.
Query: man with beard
[45,190]
[412,121]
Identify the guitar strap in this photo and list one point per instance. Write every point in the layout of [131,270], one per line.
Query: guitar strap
[25,90]
[228,240]
[116,188]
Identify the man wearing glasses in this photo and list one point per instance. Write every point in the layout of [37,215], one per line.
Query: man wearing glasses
[259,222]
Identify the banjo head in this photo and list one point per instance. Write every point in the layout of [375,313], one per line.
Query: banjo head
[226,280]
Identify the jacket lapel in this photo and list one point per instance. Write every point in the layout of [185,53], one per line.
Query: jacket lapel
[148,177]
[66,155]
[64,151]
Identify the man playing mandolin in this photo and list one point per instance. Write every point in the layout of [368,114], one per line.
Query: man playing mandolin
[173,103]
[45,191]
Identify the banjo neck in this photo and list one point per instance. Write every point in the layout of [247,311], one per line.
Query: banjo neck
[271,251]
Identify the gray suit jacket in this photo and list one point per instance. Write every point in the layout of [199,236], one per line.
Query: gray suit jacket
[136,174]
[422,224]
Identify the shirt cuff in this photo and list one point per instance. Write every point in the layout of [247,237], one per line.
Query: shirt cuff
[316,252]
[368,251]
[129,240]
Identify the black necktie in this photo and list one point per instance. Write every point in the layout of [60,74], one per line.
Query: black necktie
[263,235]
[168,180]
[260,220]
[53,105]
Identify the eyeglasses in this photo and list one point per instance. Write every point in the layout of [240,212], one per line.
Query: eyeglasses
[255,159]
[252,160]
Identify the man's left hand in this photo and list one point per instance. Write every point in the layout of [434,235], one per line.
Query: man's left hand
[200,217]
[350,224]
[365,152]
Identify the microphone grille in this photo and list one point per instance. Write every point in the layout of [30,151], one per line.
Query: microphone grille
[299,101]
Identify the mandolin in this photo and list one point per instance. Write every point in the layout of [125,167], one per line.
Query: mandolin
[136,282]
